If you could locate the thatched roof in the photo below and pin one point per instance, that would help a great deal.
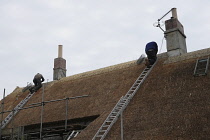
(170, 104)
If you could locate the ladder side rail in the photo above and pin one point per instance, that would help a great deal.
(104, 135)
(73, 134)
(70, 136)
(196, 67)
(26, 100)
(16, 110)
(67, 135)
(113, 121)
(136, 83)
(136, 88)
(107, 119)
(130, 97)
(207, 65)
(145, 72)
(116, 117)
(142, 80)
(77, 132)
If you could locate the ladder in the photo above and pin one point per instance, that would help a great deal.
(73, 134)
(27, 87)
(15, 110)
(201, 67)
(121, 105)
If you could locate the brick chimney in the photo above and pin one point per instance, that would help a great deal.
(175, 37)
(59, 70)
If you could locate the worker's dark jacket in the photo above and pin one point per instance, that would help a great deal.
(38, 78)
(151, 50)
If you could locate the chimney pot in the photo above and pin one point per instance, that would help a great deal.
(60, 51)
(174, 13)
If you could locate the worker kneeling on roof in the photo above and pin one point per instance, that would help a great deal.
(38, 79)
(151, 51)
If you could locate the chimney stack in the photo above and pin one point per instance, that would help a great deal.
(59, 70)
(175, 37)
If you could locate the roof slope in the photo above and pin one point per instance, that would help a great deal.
(171, 103)
(104, 87)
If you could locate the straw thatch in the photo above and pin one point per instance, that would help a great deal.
(171, 103)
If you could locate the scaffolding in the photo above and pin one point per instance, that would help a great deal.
(20, 133)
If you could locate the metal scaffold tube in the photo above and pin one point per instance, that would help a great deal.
(66, 119)
(42, 112)
(2, 110)
(33, 105)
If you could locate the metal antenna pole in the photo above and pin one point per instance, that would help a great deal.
(164, 15)
(174, 15)
(42, 112)
(2, 110)
(66, 120)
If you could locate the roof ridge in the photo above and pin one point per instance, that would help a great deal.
(99, 71)
(190, 55)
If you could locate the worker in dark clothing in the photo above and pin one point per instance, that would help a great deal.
(38, 79)
(151, 50)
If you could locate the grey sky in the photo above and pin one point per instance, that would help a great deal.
(94, 33)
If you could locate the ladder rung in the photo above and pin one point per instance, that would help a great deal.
(118, 108)
(201, 69)
(99, 136)
(202, 60)
(106, 126)
(120, 105)
(114, 112)
(128, 95)
(123, 101)
(112, 117)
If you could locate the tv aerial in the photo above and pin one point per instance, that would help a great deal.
(160, 23)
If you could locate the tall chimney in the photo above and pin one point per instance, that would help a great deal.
(59, 70)
(175, 37)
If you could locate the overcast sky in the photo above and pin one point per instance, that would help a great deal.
(94, 34)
